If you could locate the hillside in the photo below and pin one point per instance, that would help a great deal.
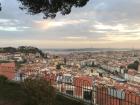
(21, 49)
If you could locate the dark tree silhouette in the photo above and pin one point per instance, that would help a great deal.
(39, 92)
(50, 8)
(0, 7)
(134, 65)
(58, 66)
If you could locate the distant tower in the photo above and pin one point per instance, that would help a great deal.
(65, 61)
(133, 52)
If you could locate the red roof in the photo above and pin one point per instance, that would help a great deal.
(83, 81)
(8, 70)
(7, 64)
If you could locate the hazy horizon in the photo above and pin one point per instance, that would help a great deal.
(59, 48)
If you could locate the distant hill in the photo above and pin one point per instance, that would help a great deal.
(22, 49)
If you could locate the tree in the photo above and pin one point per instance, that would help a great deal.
(133, 65)
(30, 49)
(0, 7)
(92, 64)
(136, 62)
(50, 7)
(22, 49)
(65, 61)
(39, 92)
(8, 50)
(3, 79)
(58, 66)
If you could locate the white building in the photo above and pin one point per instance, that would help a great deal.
(5, 56)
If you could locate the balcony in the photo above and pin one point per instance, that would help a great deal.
(66, 93)
(98, 94)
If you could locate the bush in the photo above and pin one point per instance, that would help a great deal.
(39, 92)
(31, 92)
(134, 65)
(3, 79)
(62, 100)
(11, 93)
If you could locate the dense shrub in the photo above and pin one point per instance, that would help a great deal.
(31, 92)
(3, 79)
(39, 92)
(133, 65)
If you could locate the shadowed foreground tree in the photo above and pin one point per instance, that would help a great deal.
(50, 7)
(39, 92)
(3, 79)
(0, 6)
(35, 91)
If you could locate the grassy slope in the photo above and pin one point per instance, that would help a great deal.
(12, 94)
(60, 100)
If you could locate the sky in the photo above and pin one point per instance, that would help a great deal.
(99, 24)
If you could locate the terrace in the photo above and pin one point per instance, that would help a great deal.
(97, 94)
(80, 91)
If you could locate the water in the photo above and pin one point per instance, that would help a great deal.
(68, 51)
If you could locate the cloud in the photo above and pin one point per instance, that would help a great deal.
(9, 29)
(100, 23)
(47, 24)
(4, 20)
(75, 38)
(121, 38)
(13, 28)
(118, 27)
(11, 25)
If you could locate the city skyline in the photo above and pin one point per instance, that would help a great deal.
(100, 24)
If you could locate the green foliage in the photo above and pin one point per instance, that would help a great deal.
(3, 79)
(58, 66)
(61, 100)
(11, 92)
(8, 50)
(22, 49)
(4, 61)
(93, 64)
(136, 62)
(0, 7)
(65, 61)
(29, 49)
(39, 92)
(32, 92)
(51, 7)
(133, 65)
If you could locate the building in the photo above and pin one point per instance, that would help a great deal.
(83, 87)
(5, 56)
(111, 96)
(18, 57)
(132, 76)
(8, 70)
